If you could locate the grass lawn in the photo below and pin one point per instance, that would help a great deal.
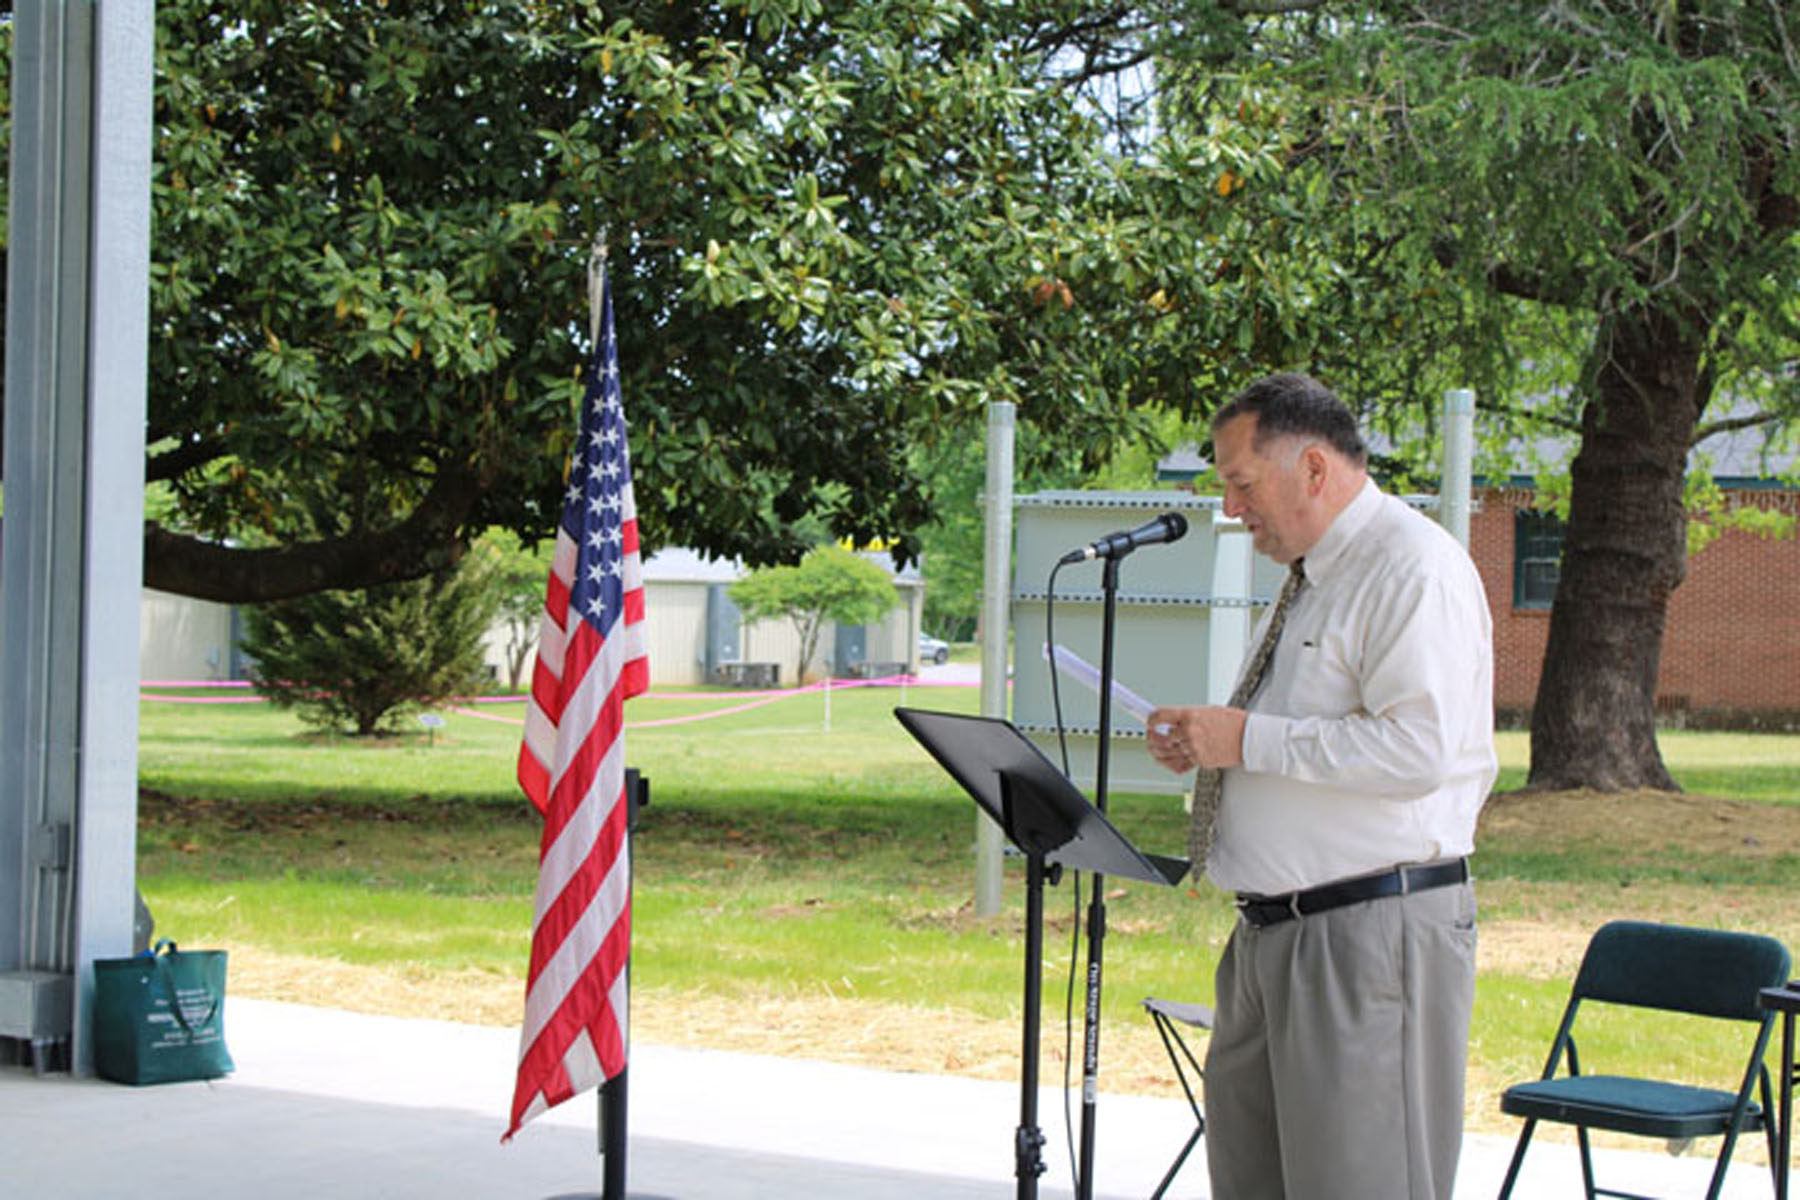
(800, 891)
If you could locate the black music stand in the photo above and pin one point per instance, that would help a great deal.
(1053, 826)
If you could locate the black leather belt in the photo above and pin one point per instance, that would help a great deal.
(1272, 910)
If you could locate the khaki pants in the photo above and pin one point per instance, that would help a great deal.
(1335, 1068)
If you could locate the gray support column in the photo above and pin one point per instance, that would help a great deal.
(1454, 501)
(71, 562)
(1228, 619)
(996, 625)
(40, 561)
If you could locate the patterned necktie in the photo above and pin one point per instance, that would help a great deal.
(1209, 782)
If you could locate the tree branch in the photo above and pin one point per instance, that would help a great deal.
(1732, 424)
(1534, 416)
(180, 460)
(429, 538)
(1503, 278)
(1269, 8)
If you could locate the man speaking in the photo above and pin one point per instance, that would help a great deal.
(1336, 796)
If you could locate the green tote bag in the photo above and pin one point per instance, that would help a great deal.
(159, 1016)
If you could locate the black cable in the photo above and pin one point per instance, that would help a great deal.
(1069, 1034)
(1062, 742)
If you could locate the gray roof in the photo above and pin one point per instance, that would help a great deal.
(677, 564)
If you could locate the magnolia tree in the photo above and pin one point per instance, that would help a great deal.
(836, 228)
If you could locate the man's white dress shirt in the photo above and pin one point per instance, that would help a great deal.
(1371, 741)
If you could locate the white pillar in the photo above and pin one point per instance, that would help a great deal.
(996, 624)
(1459, 455)
(1228, 624)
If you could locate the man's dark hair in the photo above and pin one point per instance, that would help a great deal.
(1291, 404)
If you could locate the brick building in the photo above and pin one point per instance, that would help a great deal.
(1731, 648)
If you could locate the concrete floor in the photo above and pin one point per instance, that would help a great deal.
(339, 1105)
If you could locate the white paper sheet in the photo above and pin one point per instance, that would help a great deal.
(1082, 671)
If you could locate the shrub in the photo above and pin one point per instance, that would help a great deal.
(358, 661)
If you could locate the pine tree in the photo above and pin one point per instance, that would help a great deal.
(357, 661)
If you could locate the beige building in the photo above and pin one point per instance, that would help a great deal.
(695, 633)
(183, 640)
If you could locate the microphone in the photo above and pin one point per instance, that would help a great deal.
(1170, 527)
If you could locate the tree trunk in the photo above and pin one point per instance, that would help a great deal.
(809, 642)
(1624, 553)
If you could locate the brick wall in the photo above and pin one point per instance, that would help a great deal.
(1731, 651)
(1519, 634)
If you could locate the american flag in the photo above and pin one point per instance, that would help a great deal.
(590, 660)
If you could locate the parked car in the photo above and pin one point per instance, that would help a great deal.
(933, 650)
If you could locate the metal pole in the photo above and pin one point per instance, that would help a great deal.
(1228, 618)
(614, 1138)
(995, 626)
(1028, 1140)
(1459, 455)
(1096, 921)
(614, 1094)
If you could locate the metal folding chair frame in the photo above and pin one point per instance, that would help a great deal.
(1167, 1015)
(1602, 980)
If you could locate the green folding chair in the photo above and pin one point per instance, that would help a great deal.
(1705, 972)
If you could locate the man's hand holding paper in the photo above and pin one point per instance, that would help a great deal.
(1182, 737)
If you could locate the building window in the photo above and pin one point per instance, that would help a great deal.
(1537, 557)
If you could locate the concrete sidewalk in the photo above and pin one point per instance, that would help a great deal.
(340, 1105)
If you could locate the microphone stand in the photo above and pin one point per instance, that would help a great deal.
(1096, 922)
